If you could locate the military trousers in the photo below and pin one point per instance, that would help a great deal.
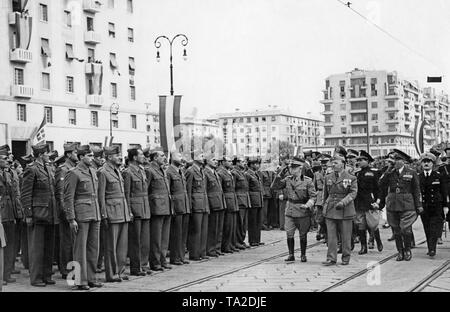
(282, 212)
(178, 237)
(344, 229)
(85, 251)
(265, 212)
(138, 244)
(432, 225)
(66, 243)
(24, 245)
(159, 240)
(255, 221)
(215, 232)
(198, 235)
(101, 253)
(9, 253)
(18, 237)
(41, 242)
(301, 224)
(401, 221)
(116, 247)
(229, 230)
(273, 216)
(1, 268)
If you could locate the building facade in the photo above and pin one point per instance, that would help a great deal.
(437, 116)
(375, 108)
(259, 133)
(70, 61)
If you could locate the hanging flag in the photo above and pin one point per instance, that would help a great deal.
(434, 79)
(169, 121)
(418, 136)
(39, 137)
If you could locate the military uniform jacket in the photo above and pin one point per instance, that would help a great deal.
(60, 175)
(340, 190)
(300, 192)
(2, 234)
(80, 195)
(319, 180)
(434, 193)
(367, 188)
(229, 189)
(401, 191)
(255, 189)
(158, 191)
(177, 183)
(136, 191)
(214, 190)
(196, 189)
(241, 189)
(111, 195)
(38, 194)
(267, 178)
(9, 203)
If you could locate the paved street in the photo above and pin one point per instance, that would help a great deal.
(263, 269)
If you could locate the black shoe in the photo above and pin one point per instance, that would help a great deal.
(176, 262)
(363, 240)
(212, 255)
(408, 255)
(329, 263)
(234, 249)
(261, 244)
(50, 282)
(15, 272)
(95, 285)
(205, 257)
(432, 253)
(125, 278)
(439, 242)
(254, 244)
(82, 287)
(290, 258)
(345, 263)
(41, 284)
(220, 253)
(114, 280)
(303, 258)
(363, 250)
(140, 273)
(371, 244)
(227, 251)
(157, 268)
(167, 266)
(400, 257)
(196, 259)
(186, 262)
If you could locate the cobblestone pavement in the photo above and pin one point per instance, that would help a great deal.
(264, 269)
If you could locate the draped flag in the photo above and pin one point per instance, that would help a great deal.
(39, 136)
(169, 121)
(418, 136)
(24, 24)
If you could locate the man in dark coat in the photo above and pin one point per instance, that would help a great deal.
(267, 178)
(434, 200)
(241, 190)
(39, 204)
(97, 163)
(256, 193)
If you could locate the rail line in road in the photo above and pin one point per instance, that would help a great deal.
(431, 277)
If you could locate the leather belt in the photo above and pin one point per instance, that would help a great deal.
(297, 201)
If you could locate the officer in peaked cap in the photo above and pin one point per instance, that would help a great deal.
(316, 155)
(444, 170)
(256, 192)
(340, 150)
(243, 200)
(400, 192)
(99, 157)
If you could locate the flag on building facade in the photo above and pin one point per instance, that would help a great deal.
(39, 137)
(169, 122)
(418, 136)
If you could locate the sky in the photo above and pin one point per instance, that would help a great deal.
(250, 54)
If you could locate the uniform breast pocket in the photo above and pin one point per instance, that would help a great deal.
(84, 184)
(228, 184)
(137, 184)
(42, 183)
(198, 182)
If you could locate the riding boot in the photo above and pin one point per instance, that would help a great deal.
(407, 246)
(363, 240)
(412, 240)
(303, 244)
(399, 245)
(290, 243)
(377, 237)
(371, 244)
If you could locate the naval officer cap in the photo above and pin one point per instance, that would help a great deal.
(427, 156)
(40, 148)
(84, 150)
(351, 153)
(400, 155)
(340, 150)
(111, 150)
(364, 155)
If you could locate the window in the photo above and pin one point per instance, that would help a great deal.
(18, 76)
(48, 112)
(115, 124)
(133, 122)
(375, 129)
(374, 116)
(91, 55)
(94, 119)
(327, 119)
(391, 103)
(43, 10)
(111, 4)
(343, 130)
(72, 117)
(249, 120)
(69, 52)
(343, 118)
(90, 23)
(264, 119)
(130, 6)
(132, 66)
(45, 48)
(113, 61)
(374, 104)
(70, 88)
(114, 90)
(21, 112)
(242, 140)
(45, 81)
(112, 30)
(274, 118)
(327, 130)
(133, 93)
(68, 18)
(130, 34)
(343, 107)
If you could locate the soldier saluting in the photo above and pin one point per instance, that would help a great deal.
(400, 189)
(301, 197)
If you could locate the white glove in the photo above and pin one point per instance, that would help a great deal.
(445, 210)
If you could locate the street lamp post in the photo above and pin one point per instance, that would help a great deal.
(113, 110)
(158, 45)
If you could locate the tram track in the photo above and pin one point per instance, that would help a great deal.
(424, 283)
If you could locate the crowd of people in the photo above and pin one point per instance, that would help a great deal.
(89, 211)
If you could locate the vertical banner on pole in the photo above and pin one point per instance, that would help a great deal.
(169, 121)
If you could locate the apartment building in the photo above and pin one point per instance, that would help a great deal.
(259, 133)
(70, 61)
(437, 116)
(378, 108)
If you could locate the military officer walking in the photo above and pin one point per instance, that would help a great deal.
(301, 197)
(82, 211)
(339, 192)
(400, 189)
(243, 199)
(434, 200)
(39, 204)
(115, 216)
(136, 193)
(161, 210)
(256, 191)
(181, 206)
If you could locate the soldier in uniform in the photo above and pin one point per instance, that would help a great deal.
(318, 184)
(255, 191)
(39, 204)
(229, 242)
(282, 195)
(82, 211)
(367, 199)
(182, 210)
(198, 224)
(339, 192)
(243, 199)
(434, 200)
(444, 170)
(267, 178)
(115, 215)
(400, 189)
(217, 208)
(66, 237)
(136, 193)
(161, 210)
(2, 247)
(301, 196)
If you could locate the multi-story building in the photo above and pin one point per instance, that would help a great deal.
(259, 133)
(70, 61)
(376, 108)
(437, 116)
(192, 127)
(153, 132)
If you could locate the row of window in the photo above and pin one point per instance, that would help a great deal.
(264, 119)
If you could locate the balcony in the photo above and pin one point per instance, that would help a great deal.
(407, 100)
(92, 37)
(408, 121)
(392, 109)
(392, 96)
(327, 113)
(94, 100)
(431, 109)
(358, 123)
(362, 97)
(92, 68)
(91, 6)
(21, 91)
(328, 124)
(20, 56)
(392, 121)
